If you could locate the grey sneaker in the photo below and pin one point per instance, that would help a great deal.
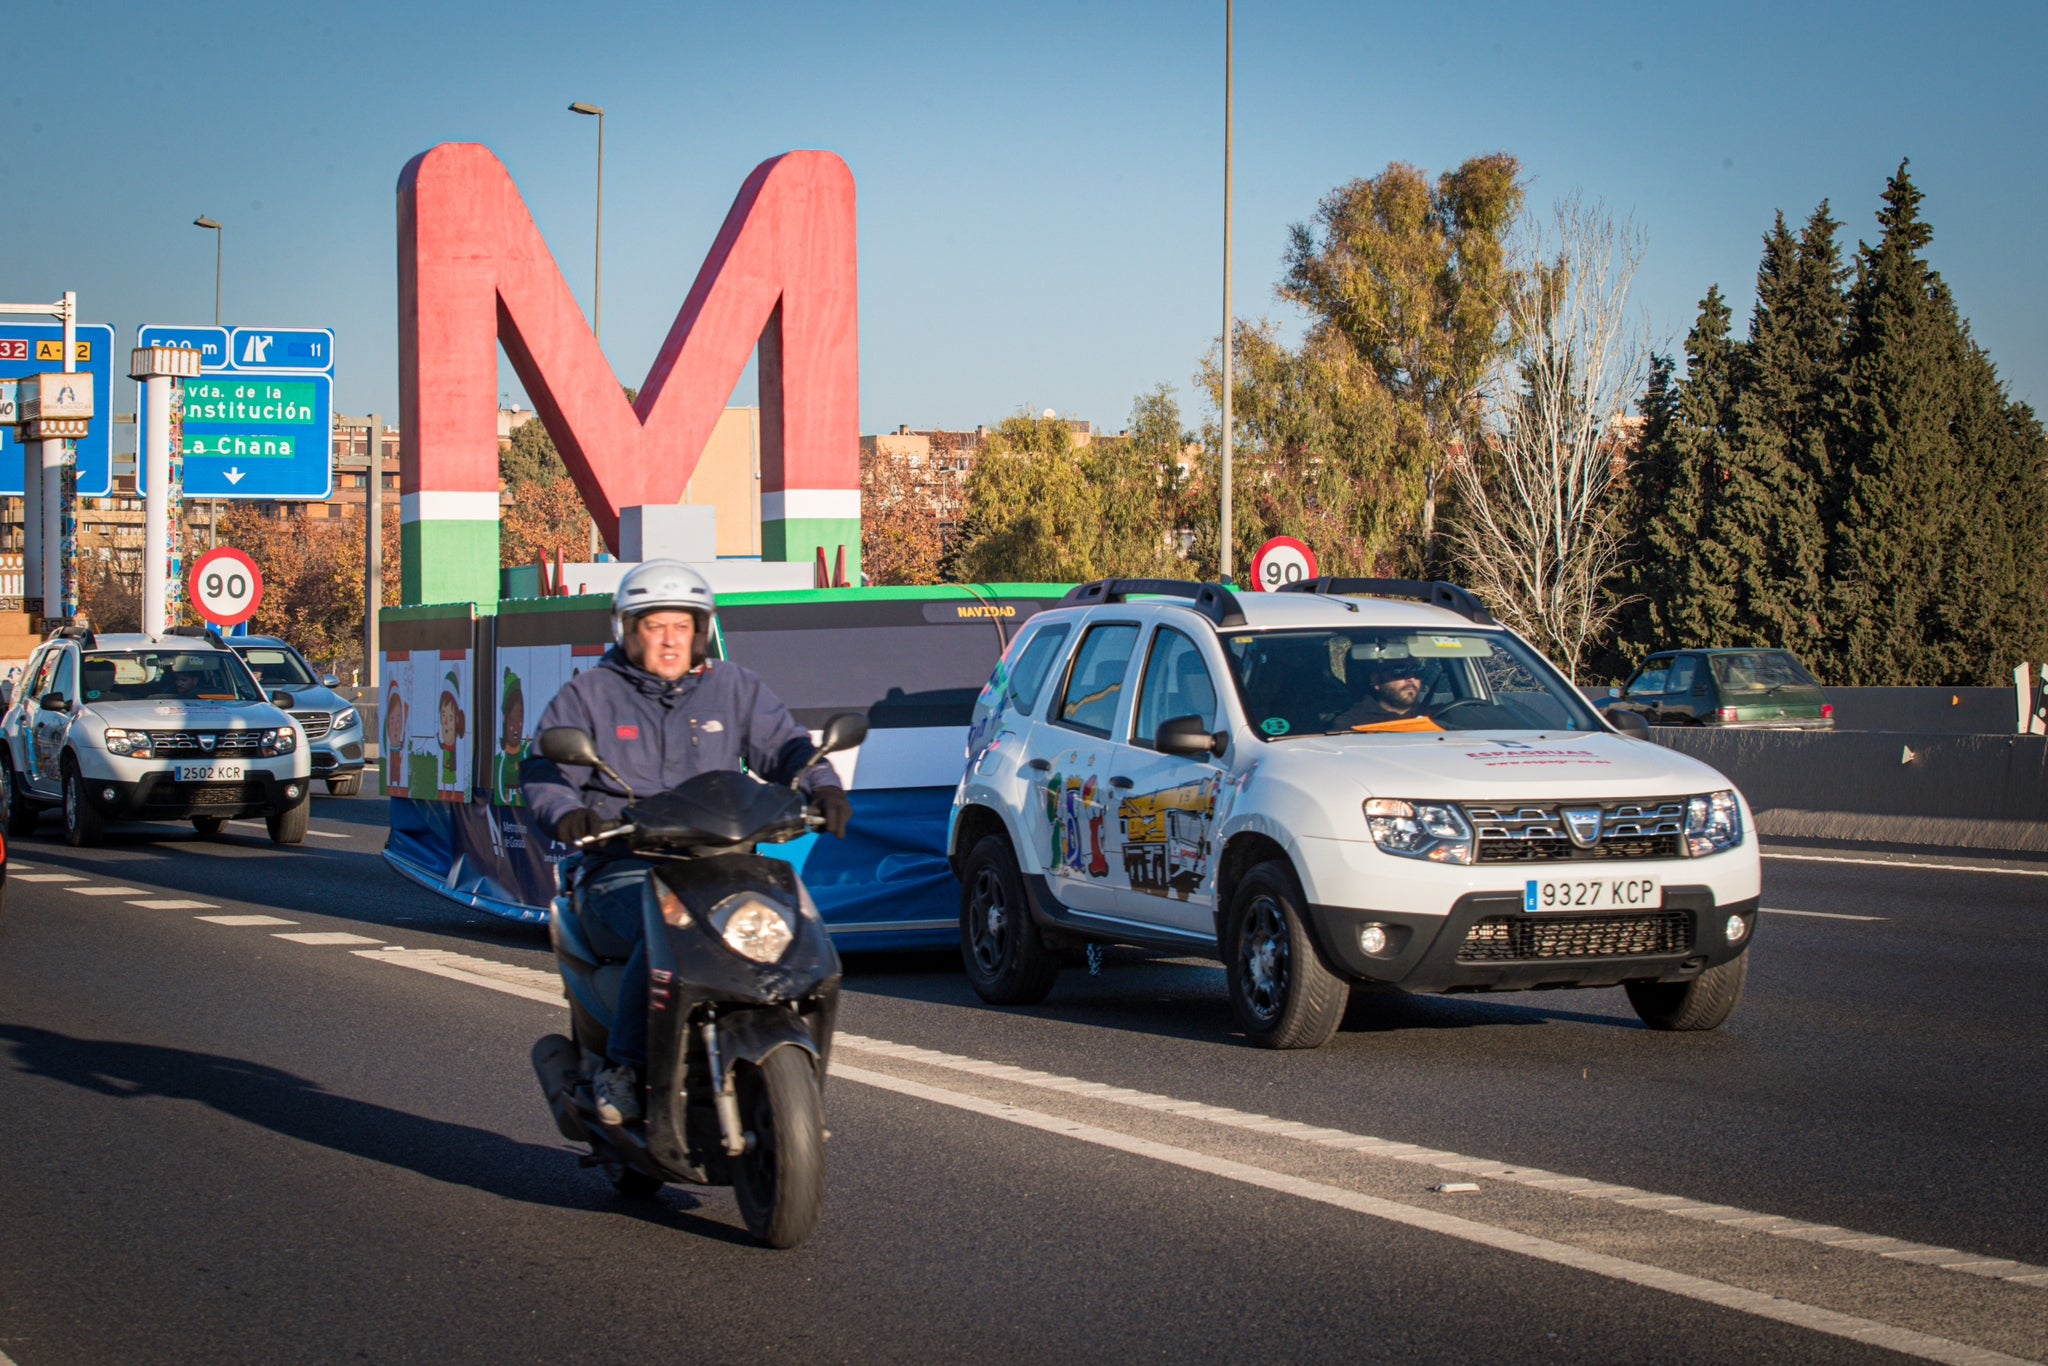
(617, 1091)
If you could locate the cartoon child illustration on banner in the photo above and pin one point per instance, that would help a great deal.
(454, 725)
(394, 727)
(511, 743)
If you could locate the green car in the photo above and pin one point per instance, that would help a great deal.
(1752, 688)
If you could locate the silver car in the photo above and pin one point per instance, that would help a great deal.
(333, 726)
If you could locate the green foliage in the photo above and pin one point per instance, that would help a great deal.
(531, 458)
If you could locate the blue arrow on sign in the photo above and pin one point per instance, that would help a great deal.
(282, 348)
(254, 435)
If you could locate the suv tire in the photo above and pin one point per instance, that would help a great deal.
(289, 827)
(1007, 960)
(345, 787)
(21, 814)
(1280, 991)
(83, 826)
(1703, 1003)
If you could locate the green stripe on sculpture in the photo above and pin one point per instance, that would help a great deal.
(800, 539)
(449, 561)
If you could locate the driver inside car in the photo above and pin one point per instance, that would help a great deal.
(1391, 699)
(660, 710)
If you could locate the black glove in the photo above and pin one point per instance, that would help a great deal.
(579, 823)
(831, 803)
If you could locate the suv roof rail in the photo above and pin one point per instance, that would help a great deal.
(1436, 593)
(82, 634)
(207, 633)
(1212, 600)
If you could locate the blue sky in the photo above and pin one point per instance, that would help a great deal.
(1040, 185)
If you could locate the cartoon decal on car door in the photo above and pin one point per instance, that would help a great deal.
(1166, 837)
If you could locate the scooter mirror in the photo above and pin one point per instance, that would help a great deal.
(844, 731)
(568, 745)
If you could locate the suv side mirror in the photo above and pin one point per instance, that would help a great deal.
(329, 681)
(1628, 722)
(54, 701)
(283, 699)
(1188, 737)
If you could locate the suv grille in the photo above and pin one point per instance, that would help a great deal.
(178, 743)
(317, 723)
(1507, 939)
(1536, 832)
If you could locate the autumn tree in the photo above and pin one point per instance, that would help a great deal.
(905, 507)
(312, 579)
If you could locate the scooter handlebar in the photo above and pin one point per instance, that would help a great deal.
(601, 836)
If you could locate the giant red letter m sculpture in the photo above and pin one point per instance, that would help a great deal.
(473, 272)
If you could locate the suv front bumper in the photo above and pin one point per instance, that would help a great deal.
(160, 797)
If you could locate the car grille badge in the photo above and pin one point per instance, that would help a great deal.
(1583, 823)
(206, 743)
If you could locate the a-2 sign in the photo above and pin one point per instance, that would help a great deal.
(1281, 561)
(225, 586)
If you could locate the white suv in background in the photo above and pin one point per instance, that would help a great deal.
(136, 727)
(1355, 783)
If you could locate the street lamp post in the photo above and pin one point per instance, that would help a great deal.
(597, 283)
(1224, 565)
(219, 235)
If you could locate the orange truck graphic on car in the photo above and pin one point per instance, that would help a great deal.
(1166, 837)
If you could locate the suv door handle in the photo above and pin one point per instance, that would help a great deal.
(1119, 781)
(1038, 766)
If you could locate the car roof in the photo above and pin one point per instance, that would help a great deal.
(1281, 611)
(237, 642)
(136, 640)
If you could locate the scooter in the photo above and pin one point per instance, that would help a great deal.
(743, 985)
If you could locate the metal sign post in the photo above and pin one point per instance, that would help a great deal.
(160, 368)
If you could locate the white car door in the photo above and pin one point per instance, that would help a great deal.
(45, 729)
(1166, 804)
(1072, 805)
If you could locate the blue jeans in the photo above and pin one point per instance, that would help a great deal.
(612, 898)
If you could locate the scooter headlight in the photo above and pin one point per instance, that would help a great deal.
(753, 926)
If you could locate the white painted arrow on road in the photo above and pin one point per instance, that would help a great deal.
(234, 475)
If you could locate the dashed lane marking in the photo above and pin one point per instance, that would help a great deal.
(244, 920)
(1908, 863)
(1583, 1188)
(104, 891)
(530, 983)
(1819, 915)
(47, 877)
(316, 834)
(1792, 1312)
(322, 937)
(176, 904)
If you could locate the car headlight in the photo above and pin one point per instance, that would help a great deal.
(283, 740)
(1712, 823)
(133, 743)
(1436, 831)
(753, 926)
(346, 718)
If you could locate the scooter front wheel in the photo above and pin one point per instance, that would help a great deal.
(780, 1180)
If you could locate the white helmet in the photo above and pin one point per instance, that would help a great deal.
(658, 586)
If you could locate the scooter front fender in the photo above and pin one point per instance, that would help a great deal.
(749, 1036)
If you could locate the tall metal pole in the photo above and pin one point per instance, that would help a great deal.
(597, 283)
(52, 460)
(156, 504)
(219, 237)
(1229, 6)
(373, 558)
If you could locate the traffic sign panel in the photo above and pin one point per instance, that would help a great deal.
(211, 342)
(255, 435)
(282, 348)
(1280, 561)
(225, 586)
(36, 348)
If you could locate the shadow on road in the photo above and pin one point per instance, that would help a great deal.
(290, 1105)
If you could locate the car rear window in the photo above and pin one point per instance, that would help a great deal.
(1760, 671)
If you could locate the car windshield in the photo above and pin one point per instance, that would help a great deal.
(1380, 681)
(276, 666)
(166, 676)
(1760, 671)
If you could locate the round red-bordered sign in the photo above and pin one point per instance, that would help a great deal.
(225, 586)
(1281, 561)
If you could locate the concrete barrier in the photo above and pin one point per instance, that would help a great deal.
(1896, 787)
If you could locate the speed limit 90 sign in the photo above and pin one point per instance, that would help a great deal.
(225, 586)
(1281, 561)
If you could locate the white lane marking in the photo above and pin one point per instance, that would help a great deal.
(1819, 915)
(529, 983)
(1579, 1187)
(244, 920)
(104, 891)
(1904, 863)
(1793, 1312)
(316, 834)
(325, 937)
(175, 904)
(48, 877)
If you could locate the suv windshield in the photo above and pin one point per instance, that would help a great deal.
(276, 667)
(1760, 671)
(1381, 680)
(166, 676)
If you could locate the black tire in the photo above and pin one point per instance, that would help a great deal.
(83, 826)
(209, 827)
(1705, 1002)
(1280, 991)
(345, 787)
(1006, 958)
(634, 1185)
(21, 814)
(779, 1180)
(289, 827)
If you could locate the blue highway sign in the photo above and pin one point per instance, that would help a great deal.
(37, 348)
(283, 348)
(209, 341)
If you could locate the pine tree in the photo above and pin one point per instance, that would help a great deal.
(1646, 489)
(1698, 605)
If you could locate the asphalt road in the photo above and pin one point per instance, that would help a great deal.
(219, 1143)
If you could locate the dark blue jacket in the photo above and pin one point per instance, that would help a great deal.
(657, 733)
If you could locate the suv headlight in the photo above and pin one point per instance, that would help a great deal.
(133, 743)
(272, 743)
(346, 718)
(753, 926)
(1436, 831)
(1712, 823)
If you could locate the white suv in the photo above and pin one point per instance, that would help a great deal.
(139, 727)
(1356, 782)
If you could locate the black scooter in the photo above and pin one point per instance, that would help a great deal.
(743, 984)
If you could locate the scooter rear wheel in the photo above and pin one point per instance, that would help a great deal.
(780, 1180)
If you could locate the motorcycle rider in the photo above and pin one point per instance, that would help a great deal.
(660, 710)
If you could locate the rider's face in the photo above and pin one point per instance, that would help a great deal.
(1397, 692)
(660, 642)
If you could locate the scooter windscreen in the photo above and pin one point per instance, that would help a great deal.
(718, 808)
